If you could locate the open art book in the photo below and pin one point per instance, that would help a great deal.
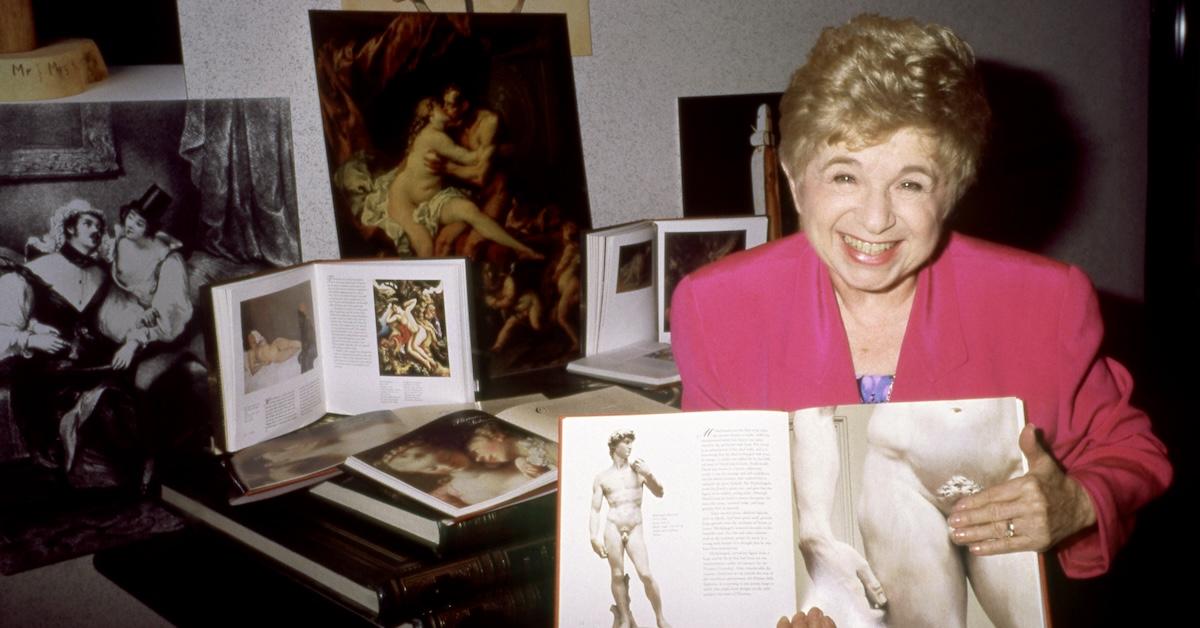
(316, 452)
(469, 462)
(631, 271)
(739, 518)
(462, 464)
(338, 337)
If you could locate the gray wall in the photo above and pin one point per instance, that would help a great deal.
(1087, 59)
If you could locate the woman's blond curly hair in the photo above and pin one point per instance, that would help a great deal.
(873, 76)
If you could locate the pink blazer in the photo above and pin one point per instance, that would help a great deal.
(762, 330)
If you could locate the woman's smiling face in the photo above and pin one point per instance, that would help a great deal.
(135, 226)
(874, 215)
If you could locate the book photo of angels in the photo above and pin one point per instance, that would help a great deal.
(411, 323)
(279, 337)
(115, 216)
(458, 135)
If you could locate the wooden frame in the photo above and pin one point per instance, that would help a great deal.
(89, 152)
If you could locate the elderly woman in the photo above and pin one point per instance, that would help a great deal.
(882, 130)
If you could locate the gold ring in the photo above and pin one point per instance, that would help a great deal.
(1009, 530)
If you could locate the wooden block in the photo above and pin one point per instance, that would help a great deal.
(61, 69)
(16, 26)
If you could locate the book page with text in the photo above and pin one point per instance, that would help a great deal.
(717, 543)
(397, 333)
(270, 364)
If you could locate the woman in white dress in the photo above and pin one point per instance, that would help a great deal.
(148, 268)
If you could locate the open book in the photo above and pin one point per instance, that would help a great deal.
(717, 503)
(462, 464)
(338, 337)
(631, 271)
(472, 461)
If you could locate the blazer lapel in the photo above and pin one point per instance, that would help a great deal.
(817, 354)
(934, 345)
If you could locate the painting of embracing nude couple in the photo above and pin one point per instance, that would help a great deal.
(458, 135)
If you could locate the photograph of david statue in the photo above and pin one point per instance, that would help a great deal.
(621, 532)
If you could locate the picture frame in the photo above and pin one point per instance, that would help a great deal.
(684, 245)
(722, 156)
(80, 142)
(75, 446)
(489, 102)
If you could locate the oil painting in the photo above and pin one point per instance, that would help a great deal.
(458, 135)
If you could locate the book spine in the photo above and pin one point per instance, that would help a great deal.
(527, 604)
(216, 398)
(456, 580)
(506, 525)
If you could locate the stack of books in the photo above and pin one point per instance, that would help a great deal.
(450, 520)
(379, 574)
(630, 272)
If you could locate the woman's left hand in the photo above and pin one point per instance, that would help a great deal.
(1032, 512)
(124, 356)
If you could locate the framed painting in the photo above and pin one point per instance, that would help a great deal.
(458, 135)
(103, 371)
(57, 142)
(578, 18)
(727, 157)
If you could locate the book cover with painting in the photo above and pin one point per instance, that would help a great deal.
(463, 463)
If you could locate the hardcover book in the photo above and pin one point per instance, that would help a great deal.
(366, 566)
(338, 337)
(517, 521)
(631, 271)
(462, 464)
(315, 452)
(708, 508)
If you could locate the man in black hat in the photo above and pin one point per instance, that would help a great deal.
(57, 359)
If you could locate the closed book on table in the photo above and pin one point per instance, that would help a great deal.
(527, 604)
(366, 566)
(445, 535)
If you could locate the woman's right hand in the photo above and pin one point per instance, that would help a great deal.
(814, 618)
(46, 343)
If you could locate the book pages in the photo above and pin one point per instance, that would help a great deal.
(728, 526)
(712, 542)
